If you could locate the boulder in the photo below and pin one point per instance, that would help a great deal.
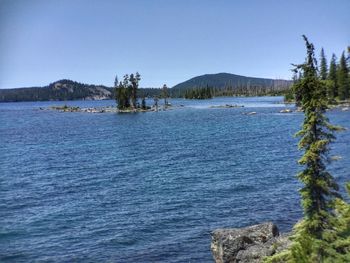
(251, 113)
(248, 244)
(286, 111)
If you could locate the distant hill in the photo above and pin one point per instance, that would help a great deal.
(60, 90)
(66, 89)
(232, 83)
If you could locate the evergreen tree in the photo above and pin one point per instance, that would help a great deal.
(121, 96)
(143, 103)
(323, 66)
(123, 93)
(332, 76)
(127, 91)
(165, 94)
(156, 102)
(343, 78)
(342, 241)
(320, 188)
(314, 237)
(132, 89)
(315, 136)
(116, 81)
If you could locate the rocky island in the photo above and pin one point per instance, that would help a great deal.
(107, 109)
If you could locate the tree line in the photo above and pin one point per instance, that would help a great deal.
(199, 93)
(230, 90)
(335, 76)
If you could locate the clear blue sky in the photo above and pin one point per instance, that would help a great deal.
(167, 41)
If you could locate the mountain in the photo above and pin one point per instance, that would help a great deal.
(221, 80)
(60, 90)
(242, 85)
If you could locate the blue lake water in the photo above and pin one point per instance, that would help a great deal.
(147, 187)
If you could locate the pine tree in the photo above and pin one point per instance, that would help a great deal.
(314, 236)
(116, 81)
(343, 78)
(319, 186)
(165, 95)
(323, 66)
(121, 96)
(143, 103)
(342, 242)
(133, 90)
(332, 76)
(122, 93)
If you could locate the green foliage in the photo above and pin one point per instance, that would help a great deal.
(316, 134)
(332, 77)
(323, 66)
(126, 91)
(143, 103)
(333, 246)
(165, 94)
(343, 79)
(342, 241)
(289, 95)
(199, 93)
(133, 87)
(116, 82)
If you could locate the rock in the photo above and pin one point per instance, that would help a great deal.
(249, 244)
(345, 109)
(336, 157)
(227, 106)
(286, 111)
(251, 113)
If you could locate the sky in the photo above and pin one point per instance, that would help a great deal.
(167, 41)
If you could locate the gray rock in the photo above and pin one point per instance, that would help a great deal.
(286, 111)
(249, 244)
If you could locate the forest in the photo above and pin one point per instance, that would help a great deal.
(333, 75)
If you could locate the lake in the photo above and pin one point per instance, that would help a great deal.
(147, 187)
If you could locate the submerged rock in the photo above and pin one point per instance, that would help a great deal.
(286, 111)
(336, 157)
(248, 244)
(227, 106)
(251, 113)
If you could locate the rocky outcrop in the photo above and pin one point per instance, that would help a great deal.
(249, 244)
(108, 109)
(286, 111)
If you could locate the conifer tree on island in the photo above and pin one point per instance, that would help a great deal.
(165, 95)
(317, 237)
(126, 91)
(134, 80)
